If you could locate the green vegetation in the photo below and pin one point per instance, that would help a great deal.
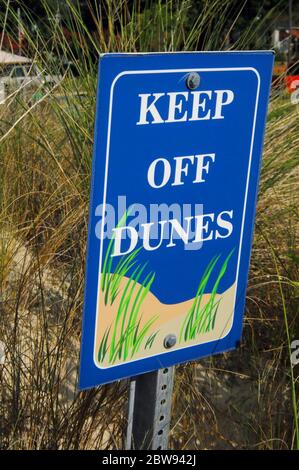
(131, 336)
(201, 319)
(127, 332)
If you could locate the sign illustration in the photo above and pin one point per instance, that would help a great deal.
(177, 153)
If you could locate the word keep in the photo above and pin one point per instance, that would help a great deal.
(160, 108)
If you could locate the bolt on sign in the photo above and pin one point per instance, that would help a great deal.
(177, 154)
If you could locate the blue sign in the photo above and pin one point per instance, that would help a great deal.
(177, 154)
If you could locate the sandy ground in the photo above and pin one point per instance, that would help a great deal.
(169, 321)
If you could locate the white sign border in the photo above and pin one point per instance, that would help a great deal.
(138, 72)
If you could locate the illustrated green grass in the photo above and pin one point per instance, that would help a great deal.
(123, 339)
(201, 319)
(150, 340)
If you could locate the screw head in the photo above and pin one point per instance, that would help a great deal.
(193, 80)
(169, 341)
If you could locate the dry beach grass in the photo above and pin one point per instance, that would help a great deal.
(243, 399)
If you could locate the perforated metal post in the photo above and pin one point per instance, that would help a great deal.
(149, 410)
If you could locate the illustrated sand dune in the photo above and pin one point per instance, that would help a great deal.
(170, 318)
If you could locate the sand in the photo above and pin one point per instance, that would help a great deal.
(169, 321)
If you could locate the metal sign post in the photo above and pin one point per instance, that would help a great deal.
(149, 410)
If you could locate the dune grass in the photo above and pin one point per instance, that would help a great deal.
(127, 333)
(126, 284)
(201, 319)
(45, 151)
